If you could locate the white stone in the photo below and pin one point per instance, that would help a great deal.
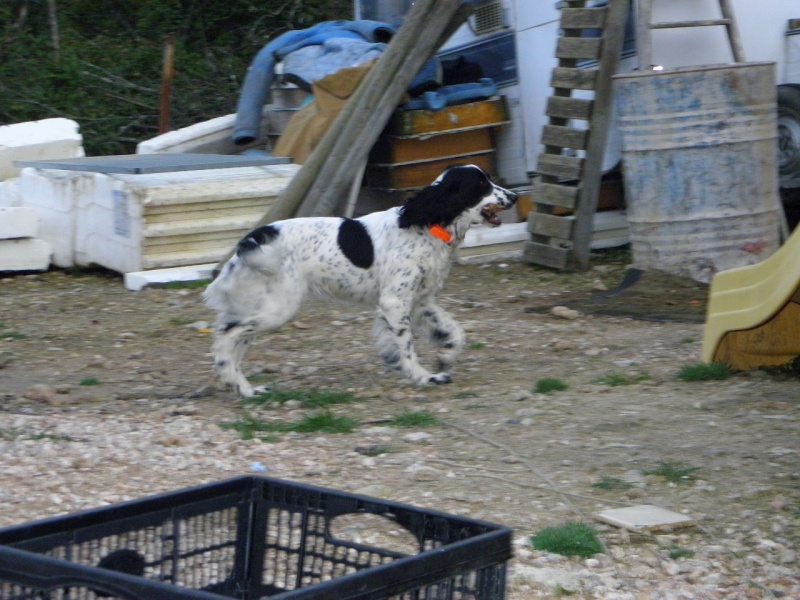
(417, 437)
(644, 517)
(562, 312)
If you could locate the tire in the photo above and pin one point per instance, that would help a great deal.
(788, 132)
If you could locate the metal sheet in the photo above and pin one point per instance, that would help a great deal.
(137, 164)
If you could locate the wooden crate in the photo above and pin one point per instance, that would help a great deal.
(486, 113)
(399, 150)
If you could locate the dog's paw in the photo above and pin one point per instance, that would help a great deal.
(441, 378)
(261, 389)
(245, 391)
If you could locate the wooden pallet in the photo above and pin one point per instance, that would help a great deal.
(570, 167)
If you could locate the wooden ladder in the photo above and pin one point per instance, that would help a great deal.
(645, 26)
(569, 183)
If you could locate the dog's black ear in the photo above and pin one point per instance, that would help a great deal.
(442, 202)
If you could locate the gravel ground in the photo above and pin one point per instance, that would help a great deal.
(106, 395)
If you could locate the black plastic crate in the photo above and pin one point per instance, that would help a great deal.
(255, 537)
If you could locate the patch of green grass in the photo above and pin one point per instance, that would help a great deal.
(13, 434)
(549, 384)
(90, 381)
(687, 340)
(676, 552)
(414, 419)
(570, 539)
(308, 398)
(10, 335)
(477, 346)
(182, 321)
(618, 379)
(184, 285)
(674, 472)
(705, 372)
(612, 484)
(324, 422)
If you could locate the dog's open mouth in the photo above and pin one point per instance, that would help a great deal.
(490, 214)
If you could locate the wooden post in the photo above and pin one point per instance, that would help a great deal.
(167, 74)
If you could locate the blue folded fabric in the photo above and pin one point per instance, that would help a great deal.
(453, 94)
(258, 79)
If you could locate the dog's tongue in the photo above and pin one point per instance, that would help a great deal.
(491, 215)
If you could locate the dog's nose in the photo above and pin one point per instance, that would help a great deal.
(512, 197)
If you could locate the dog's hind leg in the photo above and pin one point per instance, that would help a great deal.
(232, 338)
(395, 341)
(230, 344)
(442, 330)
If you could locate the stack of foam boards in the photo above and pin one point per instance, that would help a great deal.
(20, 249)
(132, 223)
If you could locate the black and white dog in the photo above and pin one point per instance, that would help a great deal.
(396, 260)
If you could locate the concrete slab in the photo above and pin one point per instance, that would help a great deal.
(644, 517)
(141, 279)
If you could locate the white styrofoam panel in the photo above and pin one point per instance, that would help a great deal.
(108, 232)
(38, 140)
(18, 222)
(30, 254)
(52, 194)
(207, 137)
(141, 279)
(9, 192)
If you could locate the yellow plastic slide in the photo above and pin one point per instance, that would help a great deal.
(753, 317)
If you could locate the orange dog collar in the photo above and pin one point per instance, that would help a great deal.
(440, 232)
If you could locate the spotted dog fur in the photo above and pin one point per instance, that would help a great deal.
(387, 259)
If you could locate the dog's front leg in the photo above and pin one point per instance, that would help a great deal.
(442, 330)
(395, 341)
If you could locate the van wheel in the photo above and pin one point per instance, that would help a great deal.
(789, 132)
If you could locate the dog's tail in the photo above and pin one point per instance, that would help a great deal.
(256, 250)
(254, 253)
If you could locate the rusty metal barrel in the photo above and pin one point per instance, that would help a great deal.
(699, 158)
